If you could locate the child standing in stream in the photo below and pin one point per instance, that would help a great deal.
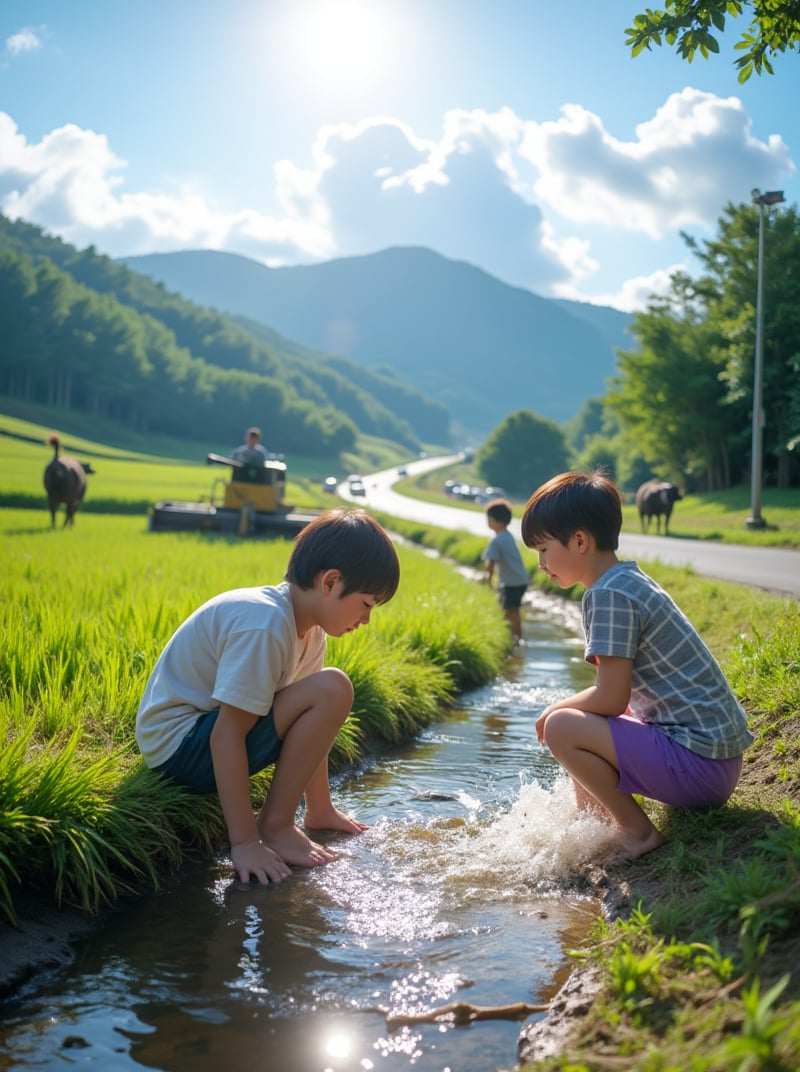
(503, 554)
(660, 719)
(241, 685)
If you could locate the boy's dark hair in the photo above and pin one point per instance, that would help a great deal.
(353, 543)
(499, 510)
(573, 501)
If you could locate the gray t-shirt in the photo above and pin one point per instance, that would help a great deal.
(504, 552)
(677, 683)
(239, 648)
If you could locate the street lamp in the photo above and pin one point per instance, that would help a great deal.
(756, 521)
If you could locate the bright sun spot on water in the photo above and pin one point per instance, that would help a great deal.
(343, 42)
(338, 1045)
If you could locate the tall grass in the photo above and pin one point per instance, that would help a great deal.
(84, 614)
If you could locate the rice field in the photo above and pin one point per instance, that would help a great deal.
(84, 614)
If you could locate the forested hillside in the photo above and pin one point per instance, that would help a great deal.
(83, 332)
(475, 344)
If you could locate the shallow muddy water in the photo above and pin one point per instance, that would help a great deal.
(465, 888)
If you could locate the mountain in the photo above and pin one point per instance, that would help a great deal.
(87, 333)
(477, 345)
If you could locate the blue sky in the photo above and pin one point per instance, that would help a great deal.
(518, 136)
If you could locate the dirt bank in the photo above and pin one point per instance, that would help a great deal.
(43, 941)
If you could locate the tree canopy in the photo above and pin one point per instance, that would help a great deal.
(691, 27)
(522, 452)
(83, 332)
(684, 397)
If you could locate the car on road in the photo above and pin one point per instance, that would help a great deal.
(357, 487)
(490, 493)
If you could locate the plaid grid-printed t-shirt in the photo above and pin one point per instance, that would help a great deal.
(677, 683)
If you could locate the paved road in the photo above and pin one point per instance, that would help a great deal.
(772, 569)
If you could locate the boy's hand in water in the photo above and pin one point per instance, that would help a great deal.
(254, 858)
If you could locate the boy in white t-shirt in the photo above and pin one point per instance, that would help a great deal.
(241, 685)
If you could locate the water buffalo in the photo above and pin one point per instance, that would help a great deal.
(64, 482)
(655, 498)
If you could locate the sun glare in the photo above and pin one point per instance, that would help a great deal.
(341, 42)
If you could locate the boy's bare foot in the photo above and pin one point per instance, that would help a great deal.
(295, 848)
(333, 819)
(627, 846)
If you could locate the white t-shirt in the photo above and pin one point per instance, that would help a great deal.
(239, 648)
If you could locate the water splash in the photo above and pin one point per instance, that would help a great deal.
(541, 840)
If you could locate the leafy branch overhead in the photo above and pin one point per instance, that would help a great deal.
(691, 26)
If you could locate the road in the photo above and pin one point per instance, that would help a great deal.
(771, 569)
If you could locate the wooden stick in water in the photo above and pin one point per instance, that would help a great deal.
(462, 1013)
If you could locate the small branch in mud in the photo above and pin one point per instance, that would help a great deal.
(462, 1013)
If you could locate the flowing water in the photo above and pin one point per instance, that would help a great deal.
(465, 888)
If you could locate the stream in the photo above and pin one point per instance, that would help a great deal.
(466, 887)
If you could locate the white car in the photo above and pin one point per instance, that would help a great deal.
(357, 487)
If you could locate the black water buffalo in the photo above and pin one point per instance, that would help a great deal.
(655, 498)
(64, 482)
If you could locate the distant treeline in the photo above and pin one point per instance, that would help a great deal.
(82, 332)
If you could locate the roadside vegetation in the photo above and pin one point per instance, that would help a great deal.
(718, 515)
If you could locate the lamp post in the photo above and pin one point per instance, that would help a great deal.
(755, 520)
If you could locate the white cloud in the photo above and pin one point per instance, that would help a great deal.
(696, 153)
(633, 294)
(28, 39)
(493, 189)
(70, 183)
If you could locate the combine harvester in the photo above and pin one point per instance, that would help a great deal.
(251, 504)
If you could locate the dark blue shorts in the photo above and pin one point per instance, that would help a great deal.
(191, 765)
(511, 595)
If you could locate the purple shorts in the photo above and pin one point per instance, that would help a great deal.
(654, 766)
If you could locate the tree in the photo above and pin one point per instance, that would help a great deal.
(688, 24)
(730, 261)
(522, 452)
(684, 398)
(668, 394)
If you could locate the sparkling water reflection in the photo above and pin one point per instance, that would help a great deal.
(464, 888)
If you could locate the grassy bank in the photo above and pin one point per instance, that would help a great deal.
(84, 614)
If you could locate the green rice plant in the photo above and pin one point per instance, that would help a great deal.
(397, 692)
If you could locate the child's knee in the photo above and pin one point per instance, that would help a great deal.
(337, 689)
(559, 729)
